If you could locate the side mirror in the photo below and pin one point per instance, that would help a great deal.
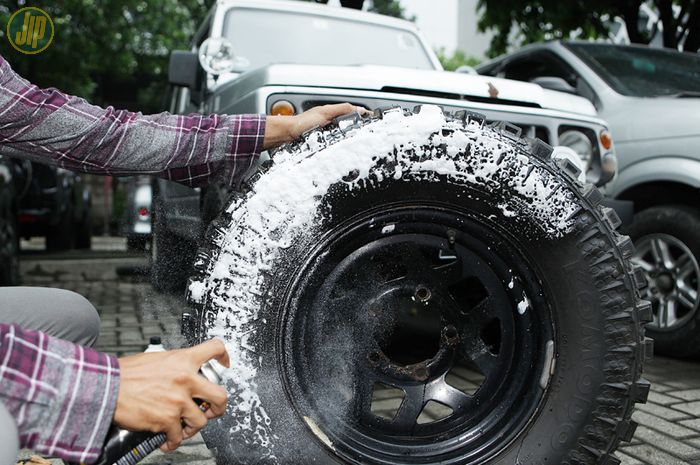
(183, 70)
(554, 83)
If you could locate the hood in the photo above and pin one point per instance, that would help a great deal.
(442, 84)
(635, 118)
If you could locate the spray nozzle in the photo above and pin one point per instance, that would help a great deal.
(213, 371)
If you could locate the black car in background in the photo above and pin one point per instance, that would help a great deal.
(56, 205)
(9, 238)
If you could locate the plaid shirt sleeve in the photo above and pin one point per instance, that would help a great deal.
(61, 395)
(48, 126)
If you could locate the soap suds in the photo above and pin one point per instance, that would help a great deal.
(284, 204)
(524, 304)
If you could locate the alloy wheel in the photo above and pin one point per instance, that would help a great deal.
(672, 273)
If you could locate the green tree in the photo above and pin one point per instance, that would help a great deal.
(535, 20)
(390, 8)
(457, 59)
(108, 51)
(383, 7)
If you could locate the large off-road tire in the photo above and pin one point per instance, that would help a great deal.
(668, 249)
(415, 288)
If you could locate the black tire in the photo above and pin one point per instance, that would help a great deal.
(62, 236)
(676, 227)
(9, 253)
(83, 231)
(171, 256)
(300, 297)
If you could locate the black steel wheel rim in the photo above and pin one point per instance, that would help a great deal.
(433, 304)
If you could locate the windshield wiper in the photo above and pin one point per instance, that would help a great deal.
(683, 94)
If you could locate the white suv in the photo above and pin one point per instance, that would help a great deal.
(651, 98)
(340, 55)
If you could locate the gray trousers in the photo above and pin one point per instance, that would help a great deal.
(57, 312)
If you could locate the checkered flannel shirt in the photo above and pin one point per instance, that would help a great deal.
(61, 395)
(48, 126)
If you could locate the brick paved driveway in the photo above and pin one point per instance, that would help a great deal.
(131, 312)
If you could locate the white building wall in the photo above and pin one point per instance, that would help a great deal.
(472, 42)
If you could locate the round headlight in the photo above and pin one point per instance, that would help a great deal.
(579, 143)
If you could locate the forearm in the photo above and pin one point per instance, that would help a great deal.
(48, 126)
(278, 130)
(61, 395)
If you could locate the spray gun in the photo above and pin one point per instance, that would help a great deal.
(124, 447)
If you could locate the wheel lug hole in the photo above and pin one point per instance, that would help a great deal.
(451, 332)
(421, 374)
(423, 294)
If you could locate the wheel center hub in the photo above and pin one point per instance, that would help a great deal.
(665, 283)
(412, 336)
(410, 332)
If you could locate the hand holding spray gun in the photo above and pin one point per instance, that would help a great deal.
(168, 396)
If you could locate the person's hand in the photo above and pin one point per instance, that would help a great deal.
(282, 129)
(156, 391)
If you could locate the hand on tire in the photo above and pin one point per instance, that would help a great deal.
(282, 129)
(157, 389)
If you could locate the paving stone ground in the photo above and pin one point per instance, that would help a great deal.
(131, 312)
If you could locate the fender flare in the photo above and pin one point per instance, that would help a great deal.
(676, 169)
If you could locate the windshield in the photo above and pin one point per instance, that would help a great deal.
(263, 37)
(643, 72)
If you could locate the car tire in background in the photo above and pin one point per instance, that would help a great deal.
(423, 289)
(83, 230)
(171, 255)
(9, 253)
(62, 236)
(667, 239)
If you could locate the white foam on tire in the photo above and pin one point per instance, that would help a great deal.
(284, 204)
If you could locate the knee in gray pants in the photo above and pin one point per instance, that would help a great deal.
(60, 313)
(9, 439)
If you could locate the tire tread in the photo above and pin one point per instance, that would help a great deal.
(607, 253)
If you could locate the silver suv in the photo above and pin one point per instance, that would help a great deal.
(277, 56)
(650, 97)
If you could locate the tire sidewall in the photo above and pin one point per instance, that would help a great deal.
(580, 342)
(597, 335)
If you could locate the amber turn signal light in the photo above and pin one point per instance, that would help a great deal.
(606, 140)
(283, 108)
